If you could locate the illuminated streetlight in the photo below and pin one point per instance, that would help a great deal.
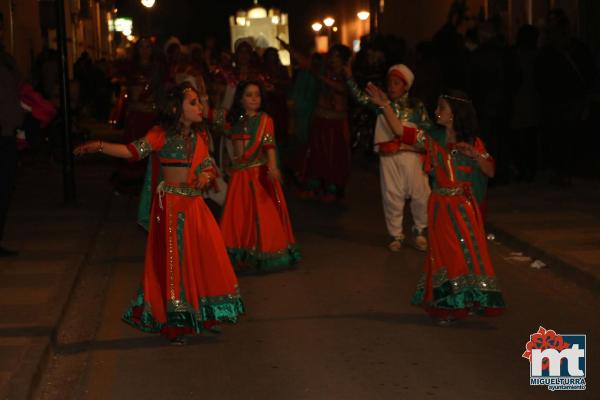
(124, 25)
(148, 3)
(329, 22)
(363, 15)
(317, 26)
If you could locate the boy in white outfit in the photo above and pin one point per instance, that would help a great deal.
(401, 167)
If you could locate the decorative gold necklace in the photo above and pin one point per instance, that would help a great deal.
(188, 142)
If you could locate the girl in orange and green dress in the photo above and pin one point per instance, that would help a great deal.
(188, 284)
(458, 278)
(255, 224)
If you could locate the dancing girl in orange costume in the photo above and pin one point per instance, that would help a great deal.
(255, 224)
(188, 283)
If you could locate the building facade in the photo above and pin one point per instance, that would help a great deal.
(416, 21)
(22, 32)
(31, 24)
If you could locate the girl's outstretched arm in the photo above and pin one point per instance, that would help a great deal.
(100, 146)
(380, 99)
(408, 133)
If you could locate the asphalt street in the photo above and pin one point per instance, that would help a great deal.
(339, 327)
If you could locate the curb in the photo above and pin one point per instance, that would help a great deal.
(22, 382)
(557, 265)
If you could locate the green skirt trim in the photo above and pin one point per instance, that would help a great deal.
(181, 314)
(318, 184)
(444, 297)
(249, 260)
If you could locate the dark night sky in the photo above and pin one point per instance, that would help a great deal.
(192, 20)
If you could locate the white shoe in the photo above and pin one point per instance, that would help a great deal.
(396, 245)
(421, 243)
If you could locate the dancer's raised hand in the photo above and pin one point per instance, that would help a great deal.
(376, 95)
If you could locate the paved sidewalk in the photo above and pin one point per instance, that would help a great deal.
(560, 226)
(53, 241)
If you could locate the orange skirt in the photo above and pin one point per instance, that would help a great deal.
(188, 283)
(256, 226)
(459, 277)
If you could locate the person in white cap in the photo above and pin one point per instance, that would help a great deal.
(401, 168)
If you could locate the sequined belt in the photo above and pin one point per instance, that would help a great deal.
(449, 191)
(164, 187)
(237, 166)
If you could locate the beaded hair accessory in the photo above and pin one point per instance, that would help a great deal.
(173, 94)
(462, 100)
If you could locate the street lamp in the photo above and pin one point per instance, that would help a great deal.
(148, 4)
(363, 15)
(317, 26)
(328, 21)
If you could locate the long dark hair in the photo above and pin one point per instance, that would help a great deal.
(464, 120)
(237, 111)
(171, 109)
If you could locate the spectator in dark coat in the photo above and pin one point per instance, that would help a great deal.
(565, 72)
(11, 117)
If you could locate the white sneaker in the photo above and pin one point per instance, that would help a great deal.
(421, 243)
(396, 245)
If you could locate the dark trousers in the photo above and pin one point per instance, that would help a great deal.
(8, 169)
